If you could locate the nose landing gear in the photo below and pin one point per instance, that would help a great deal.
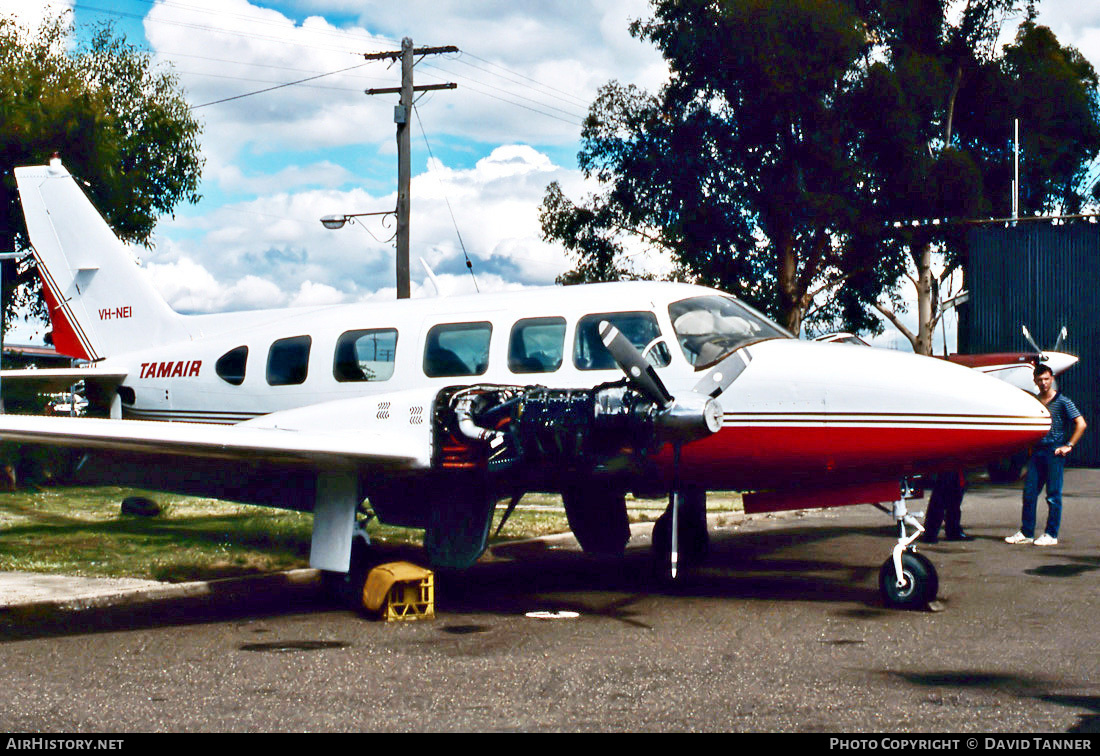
(907, 580)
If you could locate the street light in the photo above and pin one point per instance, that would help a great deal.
(333, 222)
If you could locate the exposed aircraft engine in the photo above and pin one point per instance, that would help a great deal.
(611, 427)
(498, 427)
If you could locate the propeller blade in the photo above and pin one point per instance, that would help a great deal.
(1061, 337)
(1027, 335)
(724, 373)
(638, 371)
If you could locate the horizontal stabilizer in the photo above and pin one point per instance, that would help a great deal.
(55, 379)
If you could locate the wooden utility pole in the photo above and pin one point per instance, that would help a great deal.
(402, 116)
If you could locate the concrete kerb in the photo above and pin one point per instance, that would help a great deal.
(34, 596)
(75, 595)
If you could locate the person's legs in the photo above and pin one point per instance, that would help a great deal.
(1055, 474)
(1033, 483)
(952, 520)
(933, 518)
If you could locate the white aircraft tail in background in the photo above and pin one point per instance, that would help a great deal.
(101, 303)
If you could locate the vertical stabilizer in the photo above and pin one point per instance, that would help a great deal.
(101, 303)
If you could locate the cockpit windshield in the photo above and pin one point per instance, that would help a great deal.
(710, 327)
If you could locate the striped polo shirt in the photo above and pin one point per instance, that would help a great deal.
(1062, 414)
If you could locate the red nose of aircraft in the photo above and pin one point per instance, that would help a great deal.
(807, 410)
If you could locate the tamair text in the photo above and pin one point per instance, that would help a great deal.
(180, 369)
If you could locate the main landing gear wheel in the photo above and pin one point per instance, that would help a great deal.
(346, 588)
(920, 583)
(597, 517)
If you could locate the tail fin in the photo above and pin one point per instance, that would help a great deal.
(100, 301)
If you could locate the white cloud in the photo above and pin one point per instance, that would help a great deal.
(31, 13)
(527, 71)
(310, 294)
(278, 238)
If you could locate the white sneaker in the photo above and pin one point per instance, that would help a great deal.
(1046, 540)
(1018, 537)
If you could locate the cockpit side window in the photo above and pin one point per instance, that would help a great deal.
(454, 349)
(640, 328)
(536, 345)
(288, 361)
(230, 366)
(365, 355)
(712, 326)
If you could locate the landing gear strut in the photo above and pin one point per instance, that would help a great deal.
(907, 580)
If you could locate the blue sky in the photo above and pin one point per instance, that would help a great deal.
(277, 161)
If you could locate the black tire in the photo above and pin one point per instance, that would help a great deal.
(346, 588)
(597, 517)
(921, 582)
(140, 506)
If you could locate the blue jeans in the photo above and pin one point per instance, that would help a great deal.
(1043, 469)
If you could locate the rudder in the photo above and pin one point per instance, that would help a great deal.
(100, 302)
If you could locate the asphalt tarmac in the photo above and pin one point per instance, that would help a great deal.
(782, 631)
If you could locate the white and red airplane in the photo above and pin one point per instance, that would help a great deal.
(433, 410)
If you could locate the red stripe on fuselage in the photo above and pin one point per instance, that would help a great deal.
(748, 457)
(994, 358)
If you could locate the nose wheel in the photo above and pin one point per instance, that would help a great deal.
(917, 585)
(907, 580)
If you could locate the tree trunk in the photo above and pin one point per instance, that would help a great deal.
(792, 307)
(926, 300)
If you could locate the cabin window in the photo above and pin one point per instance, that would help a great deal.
(640, 328)
(230, 366)
(536, 345)
(457, 349)
(365, 355)
(713, 326)
(288, 361)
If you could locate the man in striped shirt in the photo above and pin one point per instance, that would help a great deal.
(1047, 462)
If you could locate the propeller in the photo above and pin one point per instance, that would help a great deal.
(724, 373)
(680, 419)
(638, 371)
(1042, 357)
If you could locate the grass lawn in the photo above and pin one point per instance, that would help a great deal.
(77, 530)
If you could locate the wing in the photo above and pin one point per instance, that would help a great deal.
(335, 435)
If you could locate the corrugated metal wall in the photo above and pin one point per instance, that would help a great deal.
(1043, 276)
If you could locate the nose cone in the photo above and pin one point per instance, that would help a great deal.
(1059, 362)
(851, 410)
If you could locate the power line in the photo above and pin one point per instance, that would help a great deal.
(345, 38)
(513, 94)
(277, 86)
(566, 95)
